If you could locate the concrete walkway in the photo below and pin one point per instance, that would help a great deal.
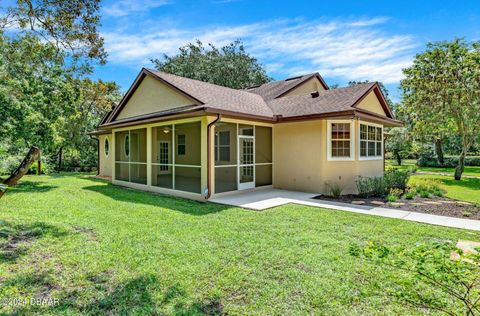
(267, 198)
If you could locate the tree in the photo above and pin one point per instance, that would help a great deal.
(69, 25)
(434, 275)
(44, 101)
(228, 66)
(398, 143)
(442, 90)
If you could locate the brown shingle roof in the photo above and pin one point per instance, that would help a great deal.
(271, 90)
(218, 97)
(262, 102)
(328, 101)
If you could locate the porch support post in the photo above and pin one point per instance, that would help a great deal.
(113, 153)
(149, 156)
(204, 154)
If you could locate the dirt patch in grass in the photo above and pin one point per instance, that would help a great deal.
(433, 205)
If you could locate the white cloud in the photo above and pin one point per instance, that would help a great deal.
(348, 49)
(128, 7)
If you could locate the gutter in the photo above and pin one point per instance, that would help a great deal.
(209, 156)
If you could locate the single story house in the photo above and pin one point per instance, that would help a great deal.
(194, 139)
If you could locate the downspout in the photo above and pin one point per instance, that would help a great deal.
(209, 156)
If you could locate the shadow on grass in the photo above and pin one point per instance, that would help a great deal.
(142, 295)
(162, 201)
(468, 183)
(31, 187)
(15, 239)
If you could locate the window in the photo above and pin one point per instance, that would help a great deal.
(371, 141)
(106, 147)
(127, 145)
(222, 146)
(340, 140)
(181, 145)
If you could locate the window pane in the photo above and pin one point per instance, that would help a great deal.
(122, 171)
(106, 147)
(224, 153)
(224, 138)
(263, 144)
(138, 173)
(162, 176)
(379, 133)
(371, 133)
(138, 145)
(246, 174)
(341, 148)
(379, 149)
(225, 179)
(363, 148)
(263, 175)
(162, 144)
(187, 179)
(371, 148)
(181, 145)
(246, 151)
(222, 131)
(190, 155)
(120, 146)
(246, 130)
(363, 131)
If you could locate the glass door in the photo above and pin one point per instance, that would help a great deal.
(246, 162)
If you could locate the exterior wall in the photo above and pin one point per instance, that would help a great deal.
(301, 164)
(106, 161)
(371, 103)
(152, 96)
(307, 87)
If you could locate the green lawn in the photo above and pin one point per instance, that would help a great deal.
(469, 170)
(102, 249)
(467, 189)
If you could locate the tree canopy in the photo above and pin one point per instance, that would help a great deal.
(441, 93)
(228, 66)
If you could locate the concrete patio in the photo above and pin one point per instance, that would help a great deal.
(267, 198)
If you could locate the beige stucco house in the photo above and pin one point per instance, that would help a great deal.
(189, 138)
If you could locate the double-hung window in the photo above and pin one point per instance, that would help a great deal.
(371, 141)
(181, 148)
(340, 140)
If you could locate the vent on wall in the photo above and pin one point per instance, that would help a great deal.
(315, 94)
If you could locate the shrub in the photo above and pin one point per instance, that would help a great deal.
(8, 164)
(429, 160)
(392, 198)
(371, 186)
(426, 187)
(334, 189)
(424, 194)
(396, 179)
(410, 195)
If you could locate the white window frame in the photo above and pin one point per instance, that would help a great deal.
(104, 143)
(329, 140)
(360, 146)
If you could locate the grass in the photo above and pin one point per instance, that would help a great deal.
(102, 249)
(469, 170)
(467, 189)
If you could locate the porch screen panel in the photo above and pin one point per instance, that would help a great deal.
(138, 156)
(131, 156)
(263, 175)
(187, 157)
(225, 156)
(122, 157)
(263, 156)
(162, 156)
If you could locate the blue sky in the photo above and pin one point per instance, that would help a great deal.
(342, 40)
